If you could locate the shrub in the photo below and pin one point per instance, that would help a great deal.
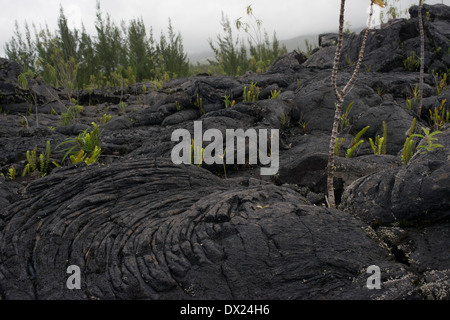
(85, 147)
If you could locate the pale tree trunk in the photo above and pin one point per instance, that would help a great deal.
(340, 96)
(422, 58)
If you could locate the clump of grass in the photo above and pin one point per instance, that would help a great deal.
(274, 94)
(357, 141)
(379, 144)
(38, 164)
(439, 116)
(251, 94)
(408, 147)
(199, 104)
(412, 62)
(105, 119)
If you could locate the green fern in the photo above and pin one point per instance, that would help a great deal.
(85, 147)
(12, 173)
(357, 141)
(38, 163)
(379, 144)
(429, 140)
(408, 147)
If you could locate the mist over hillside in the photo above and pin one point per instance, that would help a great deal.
(296, 43)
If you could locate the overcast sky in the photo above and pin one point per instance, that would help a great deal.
(197, 20)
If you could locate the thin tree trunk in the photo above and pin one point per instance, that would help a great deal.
(422, 58)
(340, 96)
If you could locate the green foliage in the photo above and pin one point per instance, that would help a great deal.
(85, 147)
(12, 173)
(120, 54)
(199, 104)
(391, 11)
(412, 62)
(252, 94)
(38, 163)
(338, 146)
(262, 51)
(200, 152)
(122, 106)
(439, 116)
(58, 71)
(441, 82)
(415, 91)
(171, 55)
(105, 119)
(344, 121)
(228, 102)
(309, 48)
(408, 147)
(349, 61)
(429, 138)
(283, 120)
(379, 145)
(233, 58)
(408, 104)
(357, 141)
(23, 82)
(380, 91)
(72, 115)
(115, 55)
(23, 79)
(274, 94)
(223, 162)
(230, 54)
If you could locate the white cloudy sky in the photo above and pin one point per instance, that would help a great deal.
(197, 20)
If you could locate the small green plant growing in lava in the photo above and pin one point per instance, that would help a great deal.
(199, 104)
(429, 138)
(38, 164)
(439, 116)
(228, 103)
(408, 147)
(23, 81)
(105, 119)
(252, 94)
(12, 173)
(274, 94)
(379, 144)
(357, 141)
(196, 154)
(86, 147)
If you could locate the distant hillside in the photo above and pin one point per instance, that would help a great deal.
(299, 42)
(291, 44)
